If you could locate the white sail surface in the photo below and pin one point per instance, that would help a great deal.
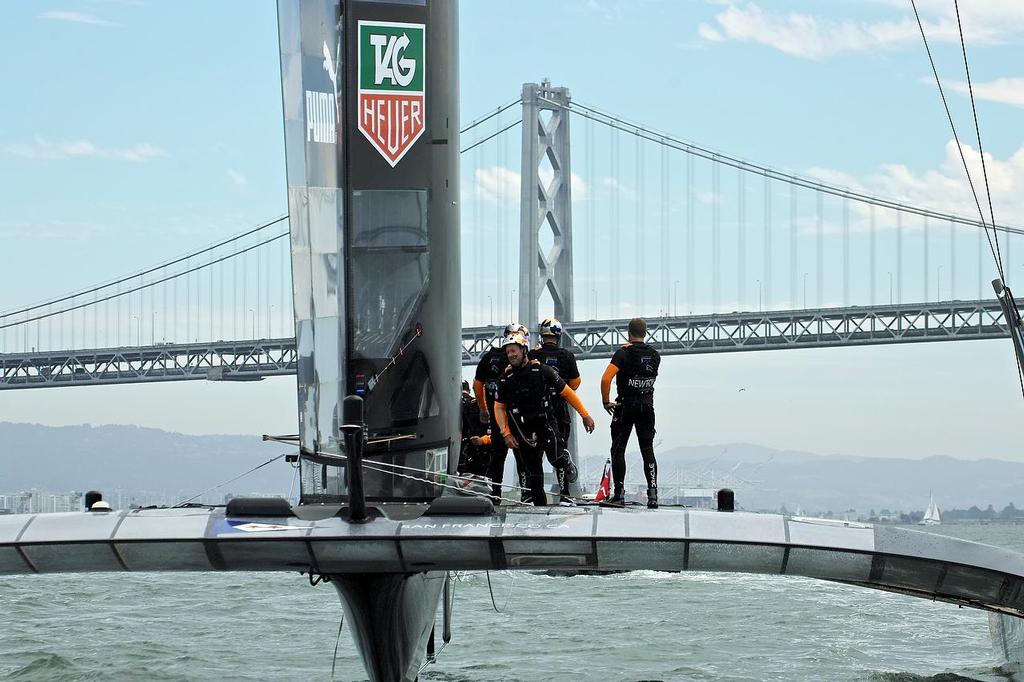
(931, 515)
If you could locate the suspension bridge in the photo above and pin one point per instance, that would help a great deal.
(573, 211)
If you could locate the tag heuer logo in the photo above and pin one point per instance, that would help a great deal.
(392, 61)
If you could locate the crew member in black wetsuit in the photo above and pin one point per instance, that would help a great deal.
(522, 410)
(474, 459)
(485, 386)
(635, 369)
(564, 363)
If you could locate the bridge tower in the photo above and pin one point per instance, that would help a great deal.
(546, 205)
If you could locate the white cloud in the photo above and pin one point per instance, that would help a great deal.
(495, 183)
(41, 148)
(499, 182)
(616, 186)
(76, 18)
(816, 37)
(50, 229)
(1002, 90)
(237, 178)
(943, 188)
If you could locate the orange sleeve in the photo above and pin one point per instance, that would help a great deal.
(606, 382)
(574, 400)
(575, 383)
(501, 419)
(478, 390)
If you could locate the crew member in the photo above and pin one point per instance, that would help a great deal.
(564, 363)
(522, 410)
(474, 459)
(635, 369)
(485, 386)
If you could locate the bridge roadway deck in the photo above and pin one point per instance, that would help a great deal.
(404, 540)
(731, 332)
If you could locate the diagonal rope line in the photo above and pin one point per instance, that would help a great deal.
(977, 132)
(956, 138)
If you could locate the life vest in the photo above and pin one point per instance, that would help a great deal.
(527, 391)
(637, 372)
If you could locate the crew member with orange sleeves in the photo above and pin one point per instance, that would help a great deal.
(635, 369)
(563, 362)
(522, 412)
(485, 387)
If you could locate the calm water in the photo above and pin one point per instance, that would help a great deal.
(640, 626)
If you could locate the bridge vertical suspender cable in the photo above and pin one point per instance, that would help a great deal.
(846, 251)
(716, 238)
(741, 238)
(766, 269)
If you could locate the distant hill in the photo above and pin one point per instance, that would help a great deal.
(768, 479)
(132, 458)
(105, 458)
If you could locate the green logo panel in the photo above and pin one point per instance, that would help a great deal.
(391, 56)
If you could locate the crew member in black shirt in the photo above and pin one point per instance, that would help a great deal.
(485, 386)
(564, 363)
(635, 369)
(522, 410)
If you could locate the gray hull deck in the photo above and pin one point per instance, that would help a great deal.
(200, 539)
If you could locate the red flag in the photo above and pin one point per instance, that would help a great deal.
(604, 490)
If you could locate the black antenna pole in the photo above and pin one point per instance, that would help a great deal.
(353, 428)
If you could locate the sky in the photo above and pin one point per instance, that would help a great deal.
(139, 129)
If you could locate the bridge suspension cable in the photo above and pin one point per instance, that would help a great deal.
(618, 123)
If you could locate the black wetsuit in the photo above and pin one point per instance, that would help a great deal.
(489, 370)
(526, 393)
(563, 362)
(637, 371)
(473, 459)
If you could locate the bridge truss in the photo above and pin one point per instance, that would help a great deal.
(594, 339)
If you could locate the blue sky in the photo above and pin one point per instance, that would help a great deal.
(135, 131)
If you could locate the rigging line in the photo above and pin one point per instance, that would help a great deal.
(491, 136)
(956, 138)
(144, 272)
(692, 149)
(488, 117)
(464, 491)
(508, 597)
(457, 477)
(259, 466)
(337, 642)
(144, 286)
(977, 132)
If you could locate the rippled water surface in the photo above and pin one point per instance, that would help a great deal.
(639, 626)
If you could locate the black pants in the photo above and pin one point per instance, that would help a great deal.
(498, 451)
(628, 416)
(536, 438)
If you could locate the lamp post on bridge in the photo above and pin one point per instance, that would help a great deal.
(593, 304)
(152, 327)
(805, 291)
(490, 301)
(675, 297)
(253, 323)
(511, 306)
(758, 296)
(890, 288)
(938, 284)
(138, 329)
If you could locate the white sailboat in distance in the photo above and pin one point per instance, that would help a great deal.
(931, 515)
